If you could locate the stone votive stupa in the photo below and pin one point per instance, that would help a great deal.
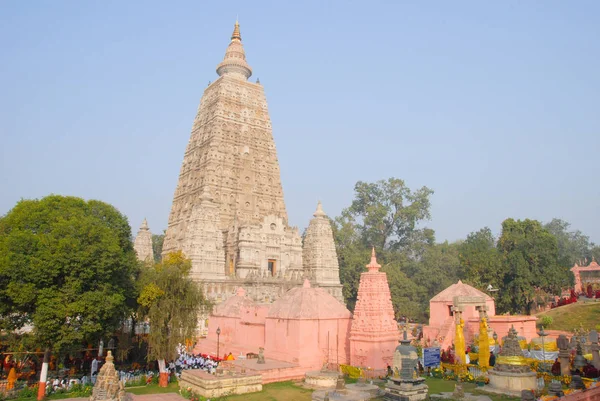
(108, 386)
(403, 385)
(512, 373)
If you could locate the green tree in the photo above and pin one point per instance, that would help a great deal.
(353, 256)
(529, 261)
(480, 260)
(67, 267)
(573, 246)
(596, 253)
(157, 245)
(407, 296)
(387, 213)
(436, 270)
(171, 301)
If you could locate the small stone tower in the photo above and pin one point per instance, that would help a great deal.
(143, 243)
(374, 334)
(319, 257)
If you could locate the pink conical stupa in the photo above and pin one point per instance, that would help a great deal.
(374, 334)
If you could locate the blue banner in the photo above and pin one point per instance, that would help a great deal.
(431, 357)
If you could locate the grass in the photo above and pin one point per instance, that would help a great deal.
(289, 391)
(570, 317)
(437, 386)
(173, 387)
(282, 391)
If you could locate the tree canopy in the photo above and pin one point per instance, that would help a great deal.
(67, 266)
(527, 262)
(385, 214)
(529, 255)
(171, 301)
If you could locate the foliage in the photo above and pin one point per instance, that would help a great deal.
(546, 321)
(157, 245)
(573, 246)
(436, 269)
(171, 301)
(529, 259)
(67, 266)
(480, 261)
(387, 213)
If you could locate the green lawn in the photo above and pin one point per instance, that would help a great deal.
(283, 391)
(289, 391)
(173, 387)
(570, 317)
(437, 386)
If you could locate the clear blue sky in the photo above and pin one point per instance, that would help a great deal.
(493, 104)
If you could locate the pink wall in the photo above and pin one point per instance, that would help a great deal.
(245, 332)
(373, 354)
(304, 341)
(525, 325)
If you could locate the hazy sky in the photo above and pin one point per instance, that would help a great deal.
(495, 105)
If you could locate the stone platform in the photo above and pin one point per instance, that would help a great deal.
(320, 379)
(271, 371)
(398, 389)
(341, 395)
(372, 389)
(210, 386)
(511, 383)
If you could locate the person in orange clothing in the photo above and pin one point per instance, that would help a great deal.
(230, 357)
(12, 378)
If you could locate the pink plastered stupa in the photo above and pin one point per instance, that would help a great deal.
(374, 333)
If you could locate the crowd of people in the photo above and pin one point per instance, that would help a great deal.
(187, 360)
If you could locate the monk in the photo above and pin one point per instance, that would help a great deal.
(230, 357)
(12, 378)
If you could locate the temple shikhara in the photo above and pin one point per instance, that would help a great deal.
(143, 243)
(228, 214)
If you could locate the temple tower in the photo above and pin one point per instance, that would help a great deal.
(374, 334)
(143, 243)
(319, 257)
(231, 159)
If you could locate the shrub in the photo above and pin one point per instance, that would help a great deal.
(27, 392)
(546, 321)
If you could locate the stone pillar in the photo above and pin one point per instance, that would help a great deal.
(563, 354)
(595, 349)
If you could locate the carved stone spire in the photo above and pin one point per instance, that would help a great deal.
(234, 62)
(319, 213)
(319, 258)
(143, 243)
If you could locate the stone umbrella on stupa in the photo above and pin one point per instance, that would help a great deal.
(374, 333)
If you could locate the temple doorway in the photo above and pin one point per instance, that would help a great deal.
(272, 266)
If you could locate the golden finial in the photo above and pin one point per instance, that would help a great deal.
(236, 31)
